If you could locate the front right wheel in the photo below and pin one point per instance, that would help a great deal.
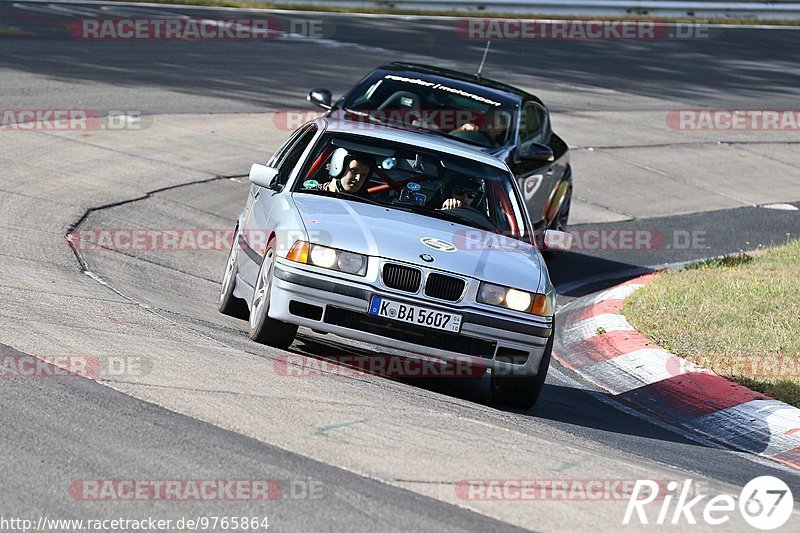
(521, 391)
(228, 303)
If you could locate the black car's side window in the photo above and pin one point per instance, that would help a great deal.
(292, 156)
(532, 125)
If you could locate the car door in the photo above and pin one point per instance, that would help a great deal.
(256, 225)
(537, 180)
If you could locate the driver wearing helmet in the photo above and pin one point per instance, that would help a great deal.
(459, 191)
(349, 173)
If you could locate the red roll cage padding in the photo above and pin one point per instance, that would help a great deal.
(390, 184)
(508, 211)
(319, 161)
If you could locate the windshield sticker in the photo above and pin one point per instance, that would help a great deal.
(438, 244)
(439, 86)
(388, 163)
(311, 184)
(413, 186)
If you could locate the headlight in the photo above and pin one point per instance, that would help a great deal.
(325, 257)
(491, 294)
(517, 300)
(322, 257)
(350, 262)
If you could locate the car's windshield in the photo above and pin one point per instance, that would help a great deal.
(405, 177)
(473, 114)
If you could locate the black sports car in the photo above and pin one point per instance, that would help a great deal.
(509, 123)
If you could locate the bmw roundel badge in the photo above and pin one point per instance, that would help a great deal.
(427, 258)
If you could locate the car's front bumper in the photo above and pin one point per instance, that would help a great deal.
(339, 306)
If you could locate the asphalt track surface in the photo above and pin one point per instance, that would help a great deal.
(59, 430)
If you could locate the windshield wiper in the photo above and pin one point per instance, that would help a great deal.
(444, 215)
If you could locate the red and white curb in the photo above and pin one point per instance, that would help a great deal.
(598, 343)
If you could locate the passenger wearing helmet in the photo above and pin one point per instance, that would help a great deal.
(350, 173)
(459, 191)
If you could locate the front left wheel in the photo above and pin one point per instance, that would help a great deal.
(521, 391)
(264, 329)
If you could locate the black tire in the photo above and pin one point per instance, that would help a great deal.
(263, 329)
(228, 303)
(521, 391)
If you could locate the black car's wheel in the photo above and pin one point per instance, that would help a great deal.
(521, 391)
(264, 329)
(228, 303)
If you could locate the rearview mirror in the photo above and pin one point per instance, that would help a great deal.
(263, 175)
(537, 152)
(320, 97)
(555, 241)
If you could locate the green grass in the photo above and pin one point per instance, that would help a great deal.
(739, 316)
(477, 13)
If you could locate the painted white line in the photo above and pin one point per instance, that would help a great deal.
(780, 207)
(640, 368)
(766, 427)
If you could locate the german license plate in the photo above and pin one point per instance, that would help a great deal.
(414, 314)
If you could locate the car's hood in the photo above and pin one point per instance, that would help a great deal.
(401, 235)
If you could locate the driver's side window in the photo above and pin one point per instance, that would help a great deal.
(289, 160)
(531, 127)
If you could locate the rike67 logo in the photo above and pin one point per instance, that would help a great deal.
(765, 503)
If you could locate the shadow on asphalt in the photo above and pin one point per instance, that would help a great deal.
(575, 274)
(557, 403)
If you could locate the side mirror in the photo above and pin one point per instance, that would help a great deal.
(556, 241)
(320, 97)
(264, 176)
(537, 152)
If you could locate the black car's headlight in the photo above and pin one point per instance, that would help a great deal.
(515, 299)
(326, 257)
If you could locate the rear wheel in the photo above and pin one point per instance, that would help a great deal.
(264, 329)
(228, 303)
(521, 391)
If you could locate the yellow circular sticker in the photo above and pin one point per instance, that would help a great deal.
(438, 244)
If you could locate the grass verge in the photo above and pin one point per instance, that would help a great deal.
(478, 13)
(739, 316)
